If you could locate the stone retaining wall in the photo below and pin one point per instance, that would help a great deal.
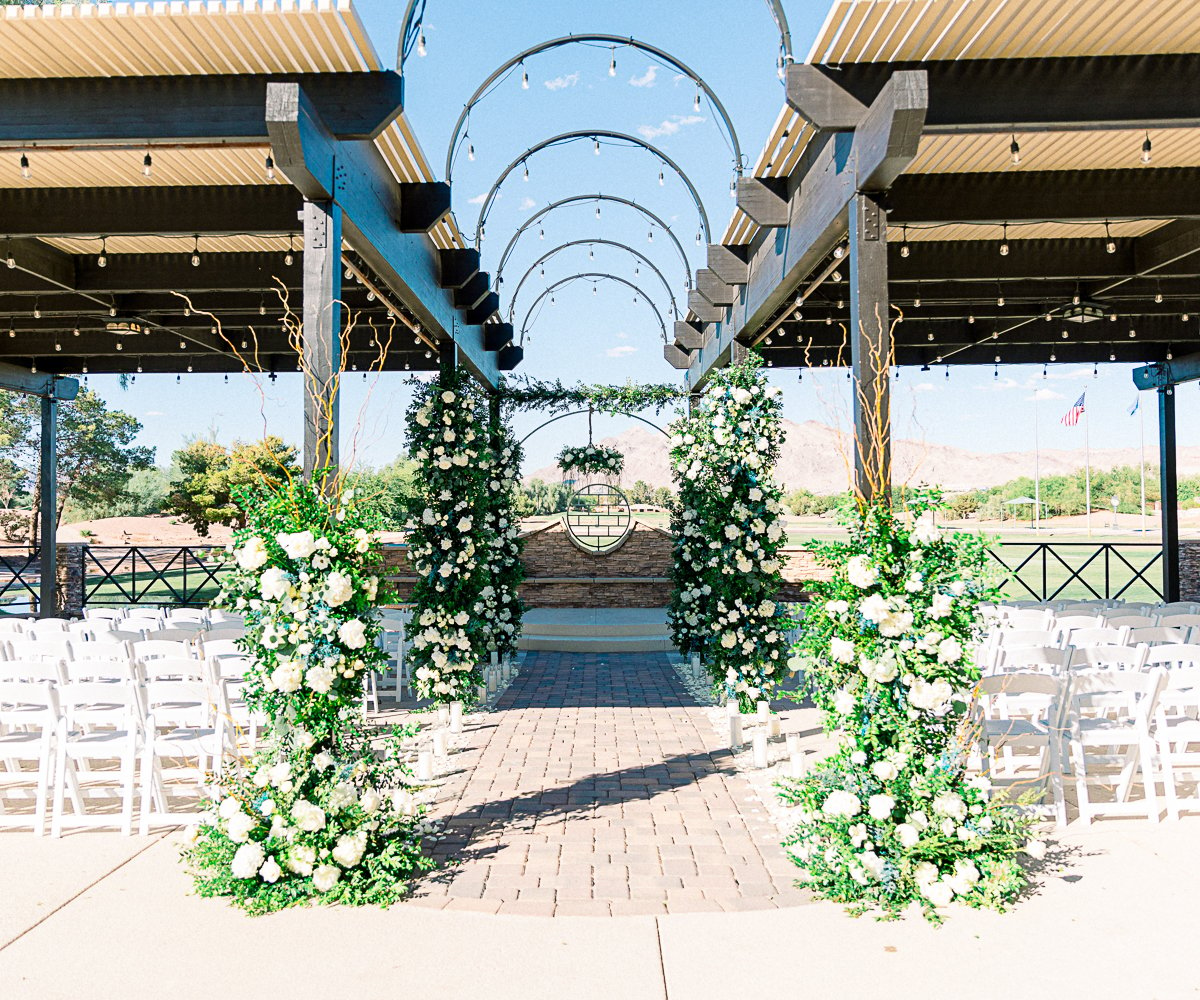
(635, 575)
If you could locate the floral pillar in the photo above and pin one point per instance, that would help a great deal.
(500, 602)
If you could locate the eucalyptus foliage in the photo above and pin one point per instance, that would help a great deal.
(315, 814)
(892, 819)
(728, 533)
(523, 393)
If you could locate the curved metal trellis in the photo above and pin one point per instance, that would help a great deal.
(512, 305)
(596, 135)
(577, 413)
(613, 40)
(593, 276)
(577, 198)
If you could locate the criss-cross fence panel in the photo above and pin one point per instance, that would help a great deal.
(1050, 571)
(173, 575)
(20, 577)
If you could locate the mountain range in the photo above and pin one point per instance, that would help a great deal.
(820, 458)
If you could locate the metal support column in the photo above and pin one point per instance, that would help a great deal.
(1170, 493)
(48, 529)
(870, 347)
(322, 335)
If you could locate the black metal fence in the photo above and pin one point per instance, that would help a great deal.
(174, 575)
(1048, 571)
(20, 577)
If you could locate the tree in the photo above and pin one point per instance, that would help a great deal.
(208, 474)
(387, 490)
(96, 453)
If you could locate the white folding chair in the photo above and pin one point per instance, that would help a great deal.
(1111, 711)
(150, 649)
(102, 723)
(185, 721)
(39, 649)
(139, 625)
(176, 632)
(1026, 618)
(1177, 608)
(103, 614)
(1097, 637)
(1155, 635)
(1118, 619)
(163, 668)
(1024, 711)
(208, 648)
(32, 670)
(114, 666)
(12, 626)
(1078, 621)
(1029, 638)
(1177, 733)
(50, 628)
(1033, 659)
(241, 719)
(29, 724)
(1108, 658)
(177, 615)
(1174, 656)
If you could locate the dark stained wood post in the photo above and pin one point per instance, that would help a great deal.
(870, 347)
(1167, 456)
(322, 335)
(48, 531)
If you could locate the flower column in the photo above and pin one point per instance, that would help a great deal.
(450, 538)
(500, 603)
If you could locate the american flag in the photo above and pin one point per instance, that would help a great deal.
(1071, 417)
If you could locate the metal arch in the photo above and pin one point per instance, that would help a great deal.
(576, 413)
(597, 135)
(512, 304)
(781, 22)
(593, 276)
(613, 40)
(687, 267)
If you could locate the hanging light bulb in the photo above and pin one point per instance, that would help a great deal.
(591, 253)
(542, 270)
(1146, 146)
(904, 251)
(75, 332)
(9, 260)
(1158, 296)
(57, 345)
(1053, 357)
(102, 260)
(1014, 151)
(269, 164)
(594, 292)
(596, 146)
(196, 253)
(1132, 334)
(541, 233)
(661, 179)
(421, 50)
(84, 368)
(552, 299)
(733, 186)
(1185, 317)
(524, 77)
(147, 165)
(1075, 299)
(37, 312)
(929, 335)
(33, 366)
(1000, 300)
(650, 236)
(637, 269)
(971, 318)
(120, 346)
(288, 258)
(612, 63)
(1112, 355)
(26, 173)
(699, 238)
(696, 102)
(917, 300)
(525, 174)
(471, 151)
(839, 252)
(1109, 246)
(1004, 242)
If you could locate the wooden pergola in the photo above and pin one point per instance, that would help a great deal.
(977, 182)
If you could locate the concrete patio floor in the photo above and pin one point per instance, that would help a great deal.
(97, 915)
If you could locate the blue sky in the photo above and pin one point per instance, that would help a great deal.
(598, 333)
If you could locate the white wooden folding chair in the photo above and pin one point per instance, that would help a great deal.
(1155, 635)
(1109, 726)
(32, 670)
(1174, 656)
(151, 649)
(1105, 636)
(1177, 733)
(29, 725)
(1033, 659)
(1078, 621)
(165, 668)
(1029, 638)
(207, 648)
(39, 649)
(1108, 658)
(102, 722)
(10, 626)
(1117, 619)
(1026, 618)
(185, 722)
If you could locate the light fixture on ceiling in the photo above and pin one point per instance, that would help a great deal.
(1109, 245)
(524, 77)
(1085, 311)
(1014, 152)
(26, 173)
(196, 252)
(1004, 241)
(147, 165)
(1146, 147)
(102, 259)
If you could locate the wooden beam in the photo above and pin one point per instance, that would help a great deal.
(164, 211)
(509, 357)
(704, 310)
(676, 357)
(821, 100)
(688, 336)
(423, 206)
(469, 294)
(195, 108)
(358, 178)
(764, 200)
(1144, 92)
(1165, 373)
(16, 379)
(322, 337)
(823, 184)
(713, 288)
(729, 263)
(497, 336)
(1033, 195)
(458, 266)
(483, 310)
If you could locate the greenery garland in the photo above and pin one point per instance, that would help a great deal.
(591, 458)
(722, 457)
(891, 819)
(500, 598)
(523, 393)
(314, 815)
(450, 537)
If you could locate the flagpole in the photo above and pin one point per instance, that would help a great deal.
(1037, 470)
(1087, 451)
(1142, 463)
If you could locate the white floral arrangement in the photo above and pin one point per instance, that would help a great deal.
(314, 814)
(591, 459)
(891, 819)
(499, 603)
(727, 567)
(451, 540)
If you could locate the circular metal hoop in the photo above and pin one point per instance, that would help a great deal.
(594, 276)
(598, 517)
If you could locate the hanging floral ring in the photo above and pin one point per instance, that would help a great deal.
(591, 458)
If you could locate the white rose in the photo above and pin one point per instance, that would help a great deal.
(370, 800)
(349, 849)
(925, 534)
(246, 861)
(287, 676)
(321, 761)
(229, 807)
(941, 606)
(958, 588)
(1035, 849)
(841, 803)
(352, 634)
(325, 877)
(841, 650)
(252, 554)
(308, 817)
(949, 651)
(298, 545)
(861, 573)
(843, 702)
(880, 806)
(950, 804)
(907, 834)
(875, 608)
(239, 827)
(270, 871)
(884, 770)
(274, 584)
(300, 860)
(339, 588)
(319, 679)
(939, 893)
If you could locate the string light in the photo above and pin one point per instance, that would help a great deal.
(1158, 293)
(26, 173)
(597, 210)
(1109, 246)
(650, 236)
(596, 146)
(904, 251)
(696, 102)
(9, 260)
(525, 173)
(33, 366)
(196, 253)
(288, 258)
(1004, 242)
(612, 63)
(541, 233)
(421, 50)
(147, 165)
(699, 237)
(269, 164)
(1146, 146)
(37, 312)
(524, 77)
(102, 260)
(1014, 151)
(471, 151)
(661, 179)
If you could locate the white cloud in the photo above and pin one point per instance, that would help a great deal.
(1004, 383)
(620, 351)
(527, 203)
(562, 82)
(479, 199)
(669, 126)
(924, 387)
(1042, 394)
(1074, 373)
(622, 335)
(646, 79)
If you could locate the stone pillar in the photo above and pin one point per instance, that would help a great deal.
(1189, 571)
(70, 578)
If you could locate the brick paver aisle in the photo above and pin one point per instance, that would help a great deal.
(597, 787)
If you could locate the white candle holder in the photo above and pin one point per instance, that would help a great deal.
(760, 749)
(735, 731)
(456, 717)
(425, 766)
(439, 743)
(443, 715)
(764, 712)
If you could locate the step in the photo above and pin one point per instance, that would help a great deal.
(615, 630)
(596, 644)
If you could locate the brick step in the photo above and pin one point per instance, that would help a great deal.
(590, 643)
